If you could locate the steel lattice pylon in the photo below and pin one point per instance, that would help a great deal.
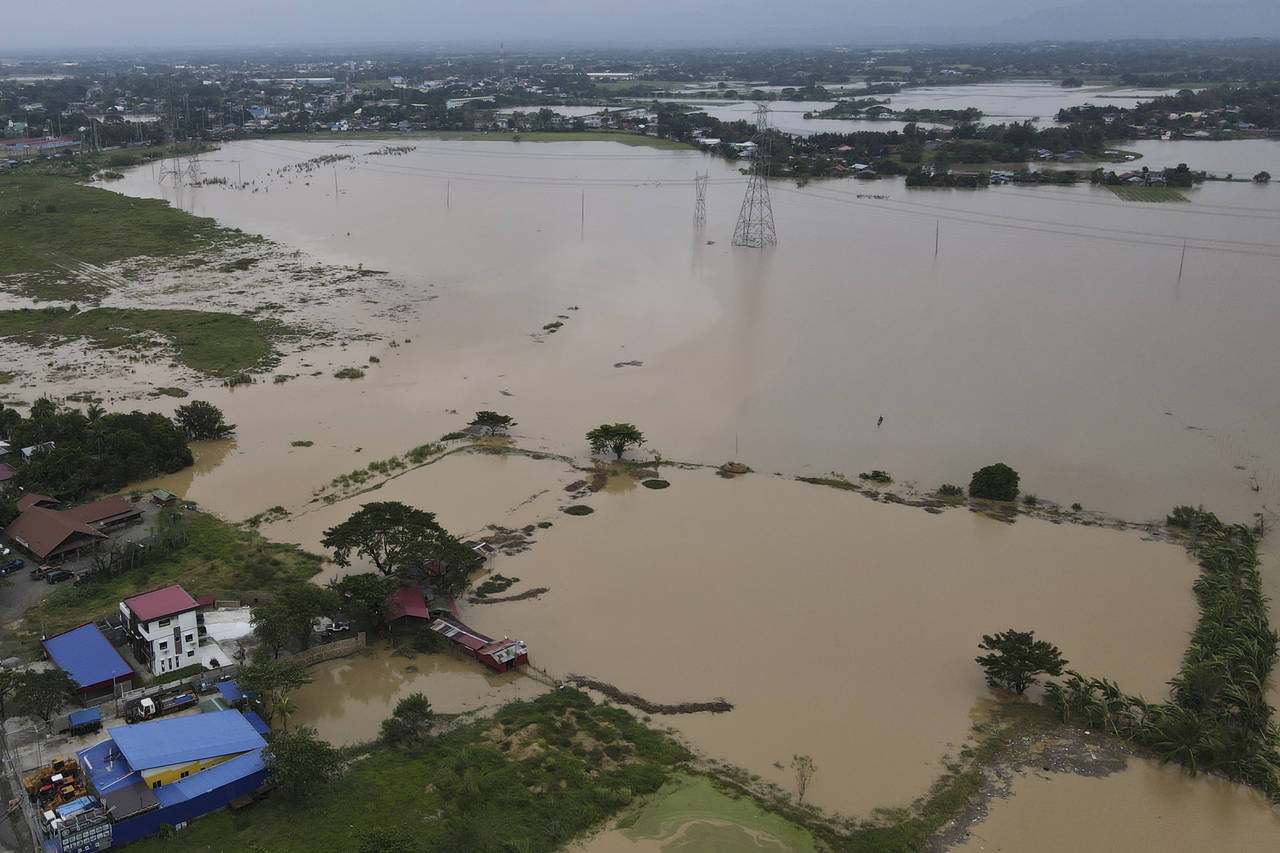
(755, 221)
(700, 206)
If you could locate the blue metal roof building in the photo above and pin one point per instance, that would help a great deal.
(179, 740)
(85, 655)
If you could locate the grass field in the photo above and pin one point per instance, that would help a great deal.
(1154, 194)
(218, 559)
(49, 223)
(213, 343)
(532, 779)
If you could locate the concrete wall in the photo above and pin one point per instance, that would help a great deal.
(329, 651)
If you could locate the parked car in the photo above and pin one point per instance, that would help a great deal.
(59, 575)
(39, 572)
(337, 627)
(12, 566)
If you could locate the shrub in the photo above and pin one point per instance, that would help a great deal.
(1030, 500)
(1075, 507)
(349, 373)
(950, 490)
(876, 476)
(996, 482)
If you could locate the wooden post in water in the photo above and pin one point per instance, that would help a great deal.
(1182, 260)
(582, 226)
(448, 193)
(937, 235)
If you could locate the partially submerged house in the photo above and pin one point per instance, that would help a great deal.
(502, 655)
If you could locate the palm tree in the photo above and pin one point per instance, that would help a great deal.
(284, 709)
(1177, 734)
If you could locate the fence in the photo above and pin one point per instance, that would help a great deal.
(329, 651)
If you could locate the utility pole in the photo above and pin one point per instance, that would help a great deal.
(755, 221)
(700, 205)
(582, 226)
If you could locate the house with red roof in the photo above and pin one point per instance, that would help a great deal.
(163, 627)
(49, 534)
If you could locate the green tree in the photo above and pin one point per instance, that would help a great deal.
(395, 537)
(201, 421)
(996, 482)
(410, 722)
(290, 615)
(301, 764)
(43, 409)
(1015, 658)
(493, 423)
(9, 681)
(362, 597)
(271, 680)
(43, 693)
(283, 710)
(805, 768)
(1262, 177)
(616, 438)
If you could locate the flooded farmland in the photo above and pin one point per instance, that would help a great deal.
(1004, 346)
(1052, 330)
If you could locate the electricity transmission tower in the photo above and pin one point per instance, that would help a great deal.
(195, 169)
(755, 221)
(700, 207)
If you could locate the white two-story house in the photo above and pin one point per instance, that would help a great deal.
(164, 628)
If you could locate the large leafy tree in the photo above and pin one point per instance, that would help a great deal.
(615, 438)
(288, 617)
(202, 420)
(400, 539)
(996, 482)
(271, 680)
(362, 597)
(1015, 658)
(43, 693)
(301, 764)
(410, 721)
(492, 422)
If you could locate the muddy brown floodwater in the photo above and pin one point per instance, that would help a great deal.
(1050, 331)
(349, 698)
(1144, 807)
(838, 627)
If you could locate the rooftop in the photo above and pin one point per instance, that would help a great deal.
(406, 601)
(159, 603)
(181, 739)
(85, 655)
(43, 531)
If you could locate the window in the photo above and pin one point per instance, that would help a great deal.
(156, 784)
(191, 653)
(163, 623)
(164, 645)
(190, 638)
(185, 774)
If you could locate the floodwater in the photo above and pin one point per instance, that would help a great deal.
(788, 116)
(1051, 330)
(839, 628)
(1144, 807)
(1242, 158)
(348, 698)
(1019, 100)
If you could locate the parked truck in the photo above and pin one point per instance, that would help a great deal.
(83, 722)
(149, 709)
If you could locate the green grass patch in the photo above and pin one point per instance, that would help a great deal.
(6, 376)
(531, 779)
(349, 373)
(832, 482)
(52, 225)
(1152, 194)
(218, 559)
(210, 342)
(181, 674)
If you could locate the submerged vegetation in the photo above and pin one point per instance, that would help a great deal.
(213, 343)
(1218, 719)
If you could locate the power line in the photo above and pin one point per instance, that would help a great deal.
(700, 205)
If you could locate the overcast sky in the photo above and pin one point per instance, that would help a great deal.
(152, 24)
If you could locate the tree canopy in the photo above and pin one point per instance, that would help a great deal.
(410, 721)
(1015, 658)
(300, 763)
(362, 597)
(400, 539)
(492, 422)
(102, 453)
(996, 482)
(271, 680)
(287, 618)
(201, 421)
(43, 694)
(616, 438)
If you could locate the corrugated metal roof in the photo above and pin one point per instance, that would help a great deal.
(181, 739)
(85, 655)
(406, 601)
(215, 777)
(160, 602)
